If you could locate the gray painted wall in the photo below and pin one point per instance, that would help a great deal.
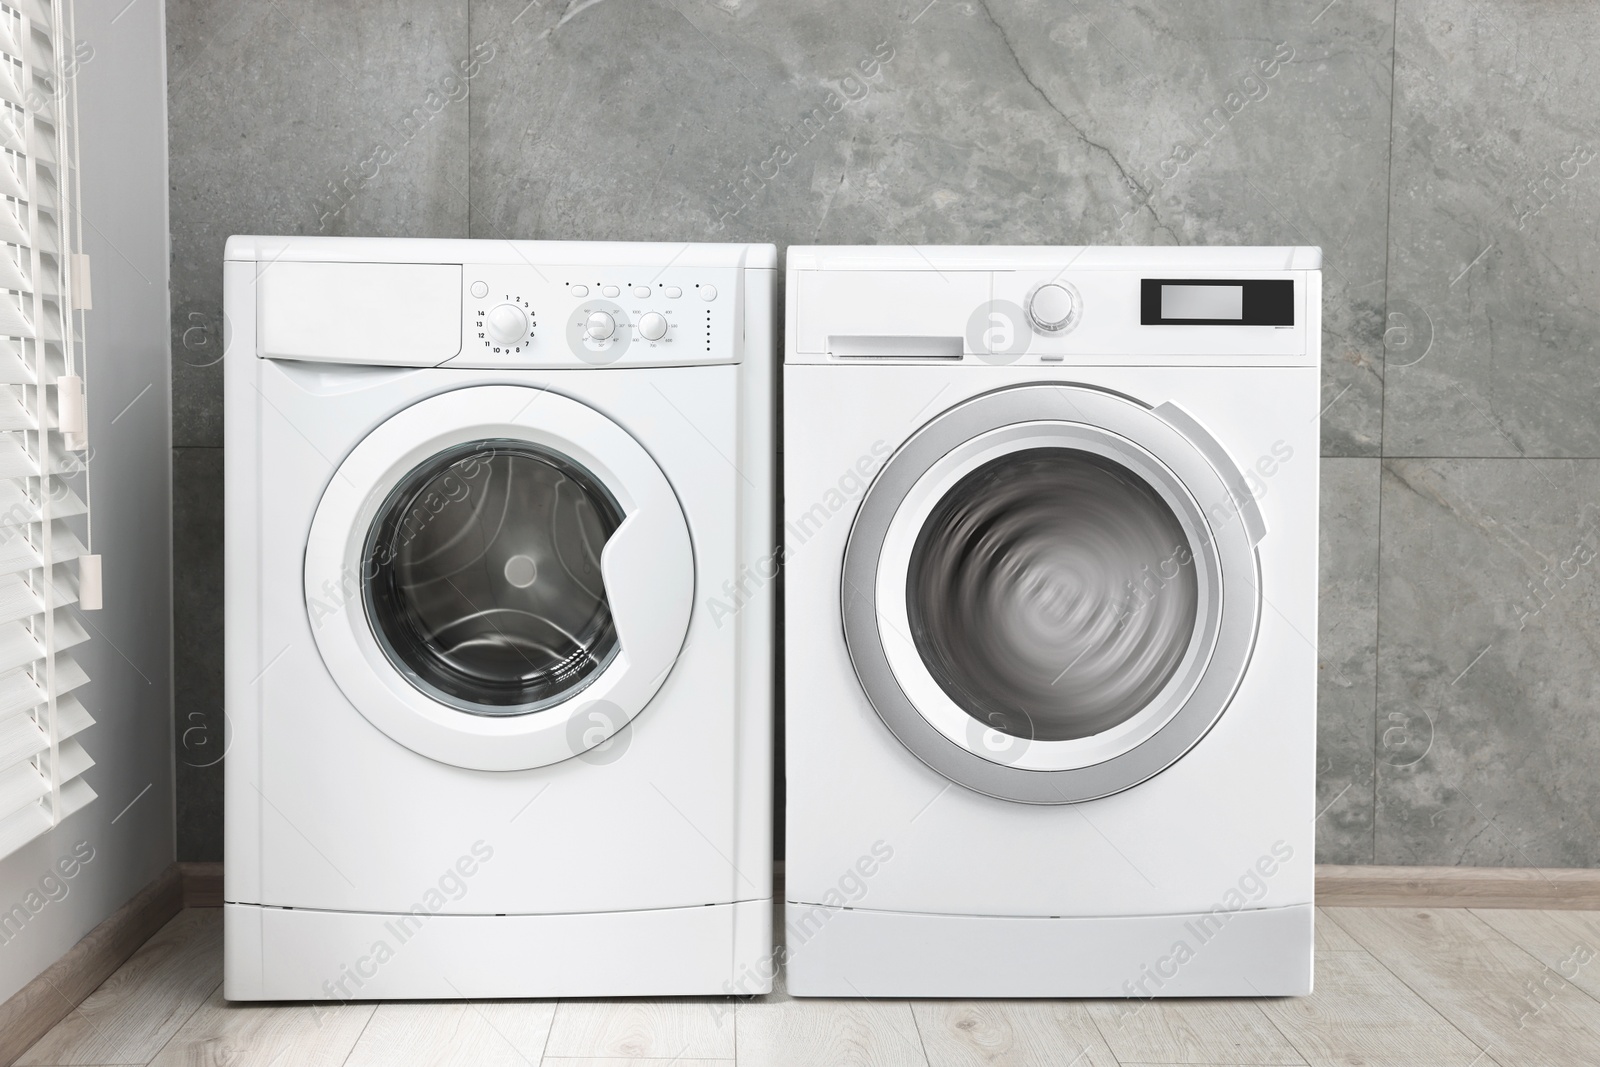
(1441, 152)
(123, 131)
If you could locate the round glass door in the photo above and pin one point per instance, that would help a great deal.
(484, 588)
(1049, 593)
(1046, 595)
(493, 569)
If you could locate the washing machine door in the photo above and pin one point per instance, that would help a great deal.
(1051, 592)
(499, 577)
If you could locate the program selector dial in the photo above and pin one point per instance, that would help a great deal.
(600, 326)
(1050, 307)
(506, 325)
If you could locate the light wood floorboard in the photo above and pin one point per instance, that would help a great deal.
(220, 1034)
(138, 1009)
(455, 1034)
(623, 1061)
(1331, 936)
(1476, 978)
(1010, 1033)
(1362, 1014)
(1566, 942)
(1192, 1031)
(687, 1028)
(781, 1032)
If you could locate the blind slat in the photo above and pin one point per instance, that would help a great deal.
(19, 692)
(73, 761)
(17, 508)
(74, 796)
(13, 323)
(21, 786)
(23, 826)
(18, 645)
(20, 739)
(13, 371)
(10, 90)
(10, 184)
(18, 599)
(71, 717)
(17, 555)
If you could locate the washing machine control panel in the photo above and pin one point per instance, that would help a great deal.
(1057, 314)
(519, 316)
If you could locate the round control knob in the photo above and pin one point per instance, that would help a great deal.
(600, 326)
(506, 325)
(1050, 307)
(653, 326)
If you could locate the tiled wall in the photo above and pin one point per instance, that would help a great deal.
(1444, 153)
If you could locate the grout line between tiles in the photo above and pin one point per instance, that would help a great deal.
(1377, 659)
(1383, 414)
(1388, 221)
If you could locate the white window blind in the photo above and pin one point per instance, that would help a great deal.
(43, 466)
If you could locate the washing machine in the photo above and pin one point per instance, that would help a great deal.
(498, 680)
(1050, 534)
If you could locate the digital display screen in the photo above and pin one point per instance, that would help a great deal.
(1216, 302)
(1202, 302)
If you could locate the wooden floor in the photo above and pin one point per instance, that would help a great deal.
(1395, 986)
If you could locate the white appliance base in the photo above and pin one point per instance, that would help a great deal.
(852, 952)
(304, 954)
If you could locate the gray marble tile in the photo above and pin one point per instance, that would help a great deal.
(1489, 663)
(1495, 201)
(1347, 642)
(303, 118)
(201, 732)
(1014, 121)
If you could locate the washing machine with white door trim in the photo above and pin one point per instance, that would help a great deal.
(1051, 561)
(492, 732)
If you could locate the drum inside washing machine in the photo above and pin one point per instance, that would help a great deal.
(485, 587)
(1049, 594)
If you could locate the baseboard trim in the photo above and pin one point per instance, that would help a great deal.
(202, 884)
(1458, 887)
(62, 986)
